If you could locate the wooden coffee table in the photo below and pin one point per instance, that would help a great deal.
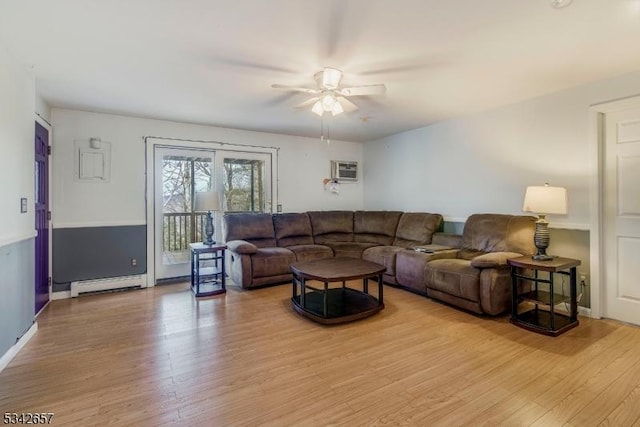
(331, 305)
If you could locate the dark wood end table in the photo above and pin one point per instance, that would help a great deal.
(207, 269)
(543, 318)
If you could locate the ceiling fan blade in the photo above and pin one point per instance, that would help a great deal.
(346, 104)
(363, 90)
(296, 88)
(307, 103)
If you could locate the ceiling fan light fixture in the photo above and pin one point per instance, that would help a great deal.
(331, 77)
(336, 109)
(328, 101)
(317, 108)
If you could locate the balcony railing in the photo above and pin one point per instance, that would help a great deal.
(180, 229)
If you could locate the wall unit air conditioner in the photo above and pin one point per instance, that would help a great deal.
(344, 170)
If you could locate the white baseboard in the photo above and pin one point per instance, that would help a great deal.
(11, 353)
(60, 295)
(584, 311)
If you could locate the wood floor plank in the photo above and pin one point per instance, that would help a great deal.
(158, 356)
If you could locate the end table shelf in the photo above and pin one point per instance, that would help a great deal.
(544, 297)
(207, 269)
(542, 317)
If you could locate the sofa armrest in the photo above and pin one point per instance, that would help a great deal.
(446, 254)
(447, 239)
(493, 259)
(242, 247)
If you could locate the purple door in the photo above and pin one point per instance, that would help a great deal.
(42, 216)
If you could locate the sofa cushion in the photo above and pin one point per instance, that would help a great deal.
(415, 229)
(499, 233)
(272, 261)
(252, 227)
(375, 226)
(242, 247)
(447, 239)
(331, 226)
(383, 255)
(311, 252)
(349, 249)
(454, 277)
(410, 267)
(292, 229)
(493, 259)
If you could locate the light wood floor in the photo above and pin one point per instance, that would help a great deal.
(158, 356)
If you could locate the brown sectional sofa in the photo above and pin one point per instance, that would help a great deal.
(473, 274)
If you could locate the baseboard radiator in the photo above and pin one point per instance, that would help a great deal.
(108, 284)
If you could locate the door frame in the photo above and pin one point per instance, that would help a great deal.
(151, 142)
(596, 144)
(42, 122)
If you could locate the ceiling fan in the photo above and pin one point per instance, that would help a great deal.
(329, 96)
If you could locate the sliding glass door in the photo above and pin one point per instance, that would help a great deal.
(243, 180)
(246, 179)
(179, 175)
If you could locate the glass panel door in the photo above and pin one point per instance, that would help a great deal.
(246, 181)
(180, 174)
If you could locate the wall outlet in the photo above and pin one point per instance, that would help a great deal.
(134, 262)
(279, 208)
(583, 278)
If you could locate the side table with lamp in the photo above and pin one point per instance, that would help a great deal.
(534, 308)
(207, 258)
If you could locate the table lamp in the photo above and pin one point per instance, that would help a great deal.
(544, 200)
(207, 201)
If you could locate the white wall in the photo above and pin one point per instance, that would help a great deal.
(17, 94)
(17, 98)
(482, 163)
(303, 163)
(42, 108)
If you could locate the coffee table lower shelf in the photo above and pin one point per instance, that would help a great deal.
(343, 305)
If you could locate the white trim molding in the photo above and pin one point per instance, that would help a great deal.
(60, 295)
(15, 349)
(98, 224)
(17, 238)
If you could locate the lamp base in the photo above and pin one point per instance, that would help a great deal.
(208, 230)
(541, 239)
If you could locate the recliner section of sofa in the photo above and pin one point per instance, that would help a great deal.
(255, 259)
(477, 276)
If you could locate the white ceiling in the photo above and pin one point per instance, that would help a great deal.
(213, 62)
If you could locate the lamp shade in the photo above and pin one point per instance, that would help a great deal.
(207, 201)
(545, 200)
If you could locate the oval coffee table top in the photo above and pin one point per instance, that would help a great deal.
(336, 269)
